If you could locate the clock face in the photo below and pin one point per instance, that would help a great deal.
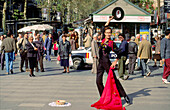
(118, 13)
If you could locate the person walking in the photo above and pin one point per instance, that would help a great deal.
(165, 55)
(40, 53)
(137, 41)
(132, 53)
(9, 46)
(76, 39)
(64, 52)
(48, 46)
(95, 53)
(32, 55)
(73, 42)
(2, 54)
(123, 52)
(145, 53)
(55, 48)
(157, 55)
(23, 53)
(87, 41)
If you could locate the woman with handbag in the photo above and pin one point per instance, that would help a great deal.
(32, 52)
(64, 51)
(157, 55)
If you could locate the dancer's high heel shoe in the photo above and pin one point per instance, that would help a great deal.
(165, 81)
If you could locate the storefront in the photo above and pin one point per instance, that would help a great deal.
(134, 21)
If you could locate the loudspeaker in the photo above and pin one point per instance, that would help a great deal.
(118, 13)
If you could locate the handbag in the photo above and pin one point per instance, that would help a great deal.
(58, 58)
(157, 56)
(70, 61)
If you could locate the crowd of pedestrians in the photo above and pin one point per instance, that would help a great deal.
(34, 48)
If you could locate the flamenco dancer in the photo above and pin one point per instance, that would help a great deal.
(106, 46)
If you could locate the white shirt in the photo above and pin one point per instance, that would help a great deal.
(0, 44)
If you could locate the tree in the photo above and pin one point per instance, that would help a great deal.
(144, 4)
(4, 16)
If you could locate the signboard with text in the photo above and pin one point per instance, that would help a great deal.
(132, 19)
(167, 6)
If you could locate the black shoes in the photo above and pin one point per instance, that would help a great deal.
(127, 100)
(42, 71)
(22, 70)
(64, 72)
(31, 75)
(11, 71)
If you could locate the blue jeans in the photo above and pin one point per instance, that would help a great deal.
(139, 63)
(48, 55)
(9, 57)
(145, 67)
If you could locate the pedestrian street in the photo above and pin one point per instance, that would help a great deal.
(18, 91)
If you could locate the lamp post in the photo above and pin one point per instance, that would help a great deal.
(49, 4)
(159, 30)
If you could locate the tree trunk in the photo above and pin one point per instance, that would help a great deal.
(25, 10)
(4, 16)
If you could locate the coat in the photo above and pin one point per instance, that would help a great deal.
(48, 43)
(132, 48)
(73, 44)
(94, 49)
(30, 50)
(87, 41)
(158, 46)
(64, 49)
(145, 50)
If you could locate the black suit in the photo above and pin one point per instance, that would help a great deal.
(39, 45)
(32, 55)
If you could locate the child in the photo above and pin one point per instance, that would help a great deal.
(55, 48)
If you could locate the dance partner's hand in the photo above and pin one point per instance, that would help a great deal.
(114, 63)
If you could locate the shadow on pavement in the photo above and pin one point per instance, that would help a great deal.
(141, 93)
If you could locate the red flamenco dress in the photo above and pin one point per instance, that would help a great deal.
(110, 99)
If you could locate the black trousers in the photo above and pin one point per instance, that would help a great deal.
(32, 62)
(99, 79)
(132, 62)
(55, 52)
(2, 58)
(41, 63)
(24, 58)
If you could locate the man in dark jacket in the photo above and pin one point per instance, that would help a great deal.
(123, 52)
(48, 46)
(39, 45)
(132, 52)
(9, 46)
(23, 53)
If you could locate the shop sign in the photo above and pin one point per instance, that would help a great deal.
(144, 29)
(167, 6)
(132, 19)
(162, 15)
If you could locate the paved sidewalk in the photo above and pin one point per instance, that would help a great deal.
(21, 92)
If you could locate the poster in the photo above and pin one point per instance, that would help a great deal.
(144, 29)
